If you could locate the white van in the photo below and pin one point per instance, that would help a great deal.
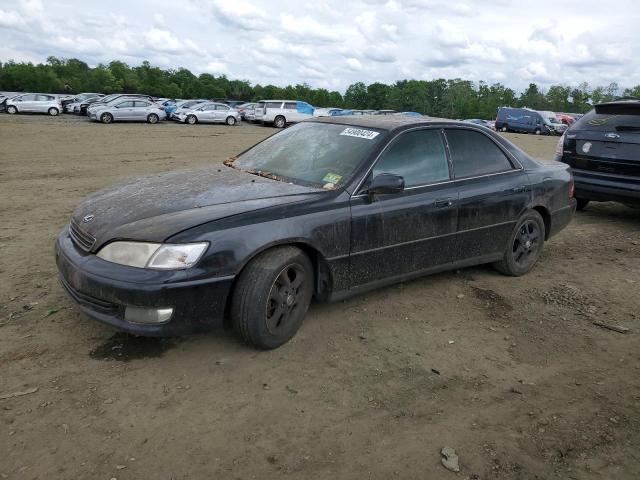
(280, 112)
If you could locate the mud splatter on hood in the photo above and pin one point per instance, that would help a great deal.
(154, 207)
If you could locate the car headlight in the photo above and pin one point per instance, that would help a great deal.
(168, 256)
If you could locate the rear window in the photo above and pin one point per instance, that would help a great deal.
(475, 154)
(274, 104)
(606, 123)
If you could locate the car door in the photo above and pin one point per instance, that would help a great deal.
(493, 192)
(221, 113)
(27, 103)
(399, 234)
(207, 113)
(122, 111)
(140, 110)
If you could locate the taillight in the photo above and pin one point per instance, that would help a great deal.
(572, 188)
(560, 146)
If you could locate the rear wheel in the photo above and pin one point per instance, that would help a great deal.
(53, 111)
(11, 109)
(191, 120)
(231, 121)
(582, 203)
(106, 118)
(279, 121)
(525, 245)
(153, 118)
(272, 297)
(504, 129)
(538, 131)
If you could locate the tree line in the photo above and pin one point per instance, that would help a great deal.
(455, 98)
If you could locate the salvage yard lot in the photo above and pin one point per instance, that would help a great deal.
(511, 373)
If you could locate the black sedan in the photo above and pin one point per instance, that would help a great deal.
(328, 208)
(603, 150)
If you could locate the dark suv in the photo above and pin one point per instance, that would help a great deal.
(603, 150)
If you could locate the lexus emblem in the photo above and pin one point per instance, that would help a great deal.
(612, 135)
(88, 218)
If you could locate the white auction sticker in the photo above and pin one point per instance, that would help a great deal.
(360, 133)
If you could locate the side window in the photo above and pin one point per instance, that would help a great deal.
(125, 105)
(28, 98)
(222, 107)
(291, 106)
(473, 154)
(274, 104)
(44, 98)
(419, 157)
(141, 104)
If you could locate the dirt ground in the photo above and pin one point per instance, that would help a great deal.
(511, 373)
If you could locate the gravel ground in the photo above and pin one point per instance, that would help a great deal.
(511, 373)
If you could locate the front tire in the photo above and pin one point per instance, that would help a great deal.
(582, 203)
(191, 120)
(538, 131)
(272, 296)
(12, 109)
(53, 111)
(231, 121)
(279, 122)
(106, 118)
(153, 118)
(525, 245)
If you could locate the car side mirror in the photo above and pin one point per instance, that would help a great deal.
(385, 184)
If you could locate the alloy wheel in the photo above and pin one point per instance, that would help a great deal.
(282, 302)
(526, 243)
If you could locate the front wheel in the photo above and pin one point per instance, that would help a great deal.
(191, 120)
(11, 109)
(153, 118)
(525, 245)
(538, 131)
(581, 203)
(106, 118)
(53, 111)
(272, 296)
(279, 121)
(231, 121)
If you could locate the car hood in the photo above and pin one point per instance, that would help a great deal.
(155, 207)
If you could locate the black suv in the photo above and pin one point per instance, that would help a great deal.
(603, 150)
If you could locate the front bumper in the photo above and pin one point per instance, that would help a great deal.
(604, 187)
(103, 289)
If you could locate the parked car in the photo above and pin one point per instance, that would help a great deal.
(279, 113)
(76, 106)
(384, 112)
(211, 112)
(526, 120)
(234, 103)
(409, 114)
(329, 208)
(565, 118)
(3, 103)
(603, 150)
(83, 107)
(479, 121)
(34, 103)
(326, 112)
(184, 106)
(246, 109)
(128, 110)
(78, 99)
(112, 99)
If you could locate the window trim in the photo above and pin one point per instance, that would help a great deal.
(514, 161)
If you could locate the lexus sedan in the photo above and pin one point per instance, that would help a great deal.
(603, 150)
(329, 208)
(34, 103)
(208, 113)
(131, 110)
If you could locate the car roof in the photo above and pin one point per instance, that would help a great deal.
(386, 122)
(279, 100)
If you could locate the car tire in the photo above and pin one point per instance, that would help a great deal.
(231, 121)
(153, 118)
(504, 129)
(12, 110)
(581, 203)
(538, 131)
(272, 297)
(106, 118)
(191, 119)
(526, 243)
(53, 111)
(279, 122)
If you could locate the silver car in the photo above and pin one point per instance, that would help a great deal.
(34, 103)
(209, 113)
(129, 110)
(185, 106)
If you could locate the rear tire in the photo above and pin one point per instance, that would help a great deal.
(582, 203)
(53, 111)
(525, 245)
(191, 120)
(106, 118)
(538, 131)
(504, 129)
(279, 122)
(272, 296)
(231, 121)
(12, 110)
(153, 118)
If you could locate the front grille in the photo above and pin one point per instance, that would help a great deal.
(89, 301)
(80, 238)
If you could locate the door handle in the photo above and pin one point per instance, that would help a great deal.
(520, 189)
(445, 203)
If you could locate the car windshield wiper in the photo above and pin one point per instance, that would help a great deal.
(230, 162)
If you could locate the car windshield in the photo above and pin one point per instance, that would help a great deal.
(317, 154)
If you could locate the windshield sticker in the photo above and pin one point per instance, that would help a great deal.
(360, 133)
(328, 186)
(332, 178)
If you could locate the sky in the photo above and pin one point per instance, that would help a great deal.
(331, 44)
